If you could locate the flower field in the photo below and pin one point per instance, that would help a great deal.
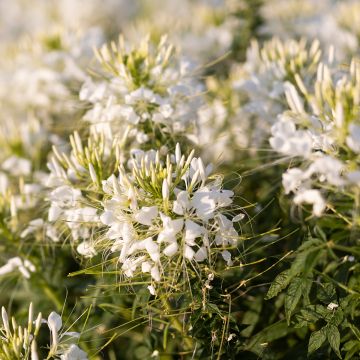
(179, 179)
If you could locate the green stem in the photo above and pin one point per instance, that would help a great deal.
(175, 323)
(344, 248)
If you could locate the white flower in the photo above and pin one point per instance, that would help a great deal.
(17, 166)
(227, 257)
(141, 94)
(54, 323)
(207, 200)
(129, 114)
(353, 140)
(34, 225)
(312, 197)
(192, 231)
(328, 168)
(332, 306)
(289, 141)
(226, 235)
(170, 227)
(152, 248)
(188, 252)
(151, 290)
(171, 249)
(148, 238)
(182, 203)
(146, 215)
(25, 267)
(62, 198)
(74, 353)
(292, 180)
(86, 249)
(201, 254)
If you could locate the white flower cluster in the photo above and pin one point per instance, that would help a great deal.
(18, 342)
(163, 213)
(321, 128)
(143, 91)
(263, 79)
(332, 22)
(209, 37)
(74, 181)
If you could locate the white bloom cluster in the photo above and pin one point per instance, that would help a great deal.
(143, 91)
(330, 21)
(74, 181)
(18, 342)
(209, 37)
(46, 72)
(21, 17)
(264, 76)
(161, 214)
(321, 128)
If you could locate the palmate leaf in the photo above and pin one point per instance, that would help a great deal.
(317, 338)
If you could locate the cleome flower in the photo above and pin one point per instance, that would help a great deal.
(142, 91)
(74, 186)
(19, 342)
(321, 128)
(267, 70)
(162, 213)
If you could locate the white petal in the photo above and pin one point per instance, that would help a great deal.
(146, 214)
(54, 321)
(188, 252)
(155, 273)
(201, 254)
(145, 267)
(171, 249)
(86, 249)
(151, 290)
(54, 213)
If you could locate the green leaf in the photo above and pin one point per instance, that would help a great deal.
(293, 296)
(317, 338)
(270, 333)
(333, 336)
(279, 284)
(308, 247)
(306, 288)
(326, 293)
(351, 347)
(337, 317)
(310, 244)
(313, 313)
(213, 308)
